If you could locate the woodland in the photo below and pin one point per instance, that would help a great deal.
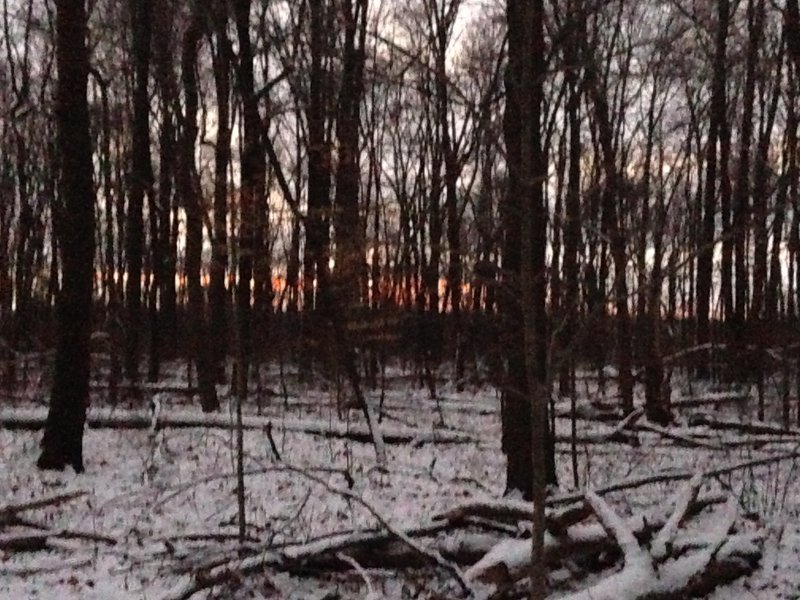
(378, 299)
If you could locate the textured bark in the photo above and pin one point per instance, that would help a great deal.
(63, 437)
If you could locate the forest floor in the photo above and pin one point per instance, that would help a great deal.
(153, 492)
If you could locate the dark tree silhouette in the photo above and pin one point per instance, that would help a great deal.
(62, 444)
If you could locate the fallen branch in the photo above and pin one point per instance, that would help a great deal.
(289, 556)
(48, 566)
(67, 534)
(9, 511)
(211, 536)
(713, 398)
(676, 436)
(667, 476)
(753, 427)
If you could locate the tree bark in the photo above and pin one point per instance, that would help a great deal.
(62, 443)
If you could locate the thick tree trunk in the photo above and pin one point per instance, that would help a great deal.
(317, 251)
(63, 438)
(527, 439)
(350, 260)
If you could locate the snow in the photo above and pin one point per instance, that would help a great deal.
(150, 491)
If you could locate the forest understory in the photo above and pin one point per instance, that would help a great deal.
(155, 511)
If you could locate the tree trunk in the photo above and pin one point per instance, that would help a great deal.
(141, 182)
(63, 438)
(705, 250)
(191, 197)
(218, 294)
(317, 250)
(350, 251)
(612, 223)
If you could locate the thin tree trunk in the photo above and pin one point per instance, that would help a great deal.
(218, 294)
(705, 250)
(141, 182)
(189, 192)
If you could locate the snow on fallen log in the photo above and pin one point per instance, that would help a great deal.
(722, 559)
(505, 509)
(510, 559)
(668, 568)
(99, 418)
(662, 543)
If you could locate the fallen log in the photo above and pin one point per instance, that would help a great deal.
(507, 510)
(667, 569)
(752, 427)
(9, 511)
(47, 566)
(678, 436)
(66, 534)
(722, 559)
(99, 418)
(23, 542)
(291, 556)
(618, 433)
(713, 398)
(510, 559)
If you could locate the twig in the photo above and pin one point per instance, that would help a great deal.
(360, 570)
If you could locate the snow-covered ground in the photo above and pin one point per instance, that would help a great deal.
(152, 492)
